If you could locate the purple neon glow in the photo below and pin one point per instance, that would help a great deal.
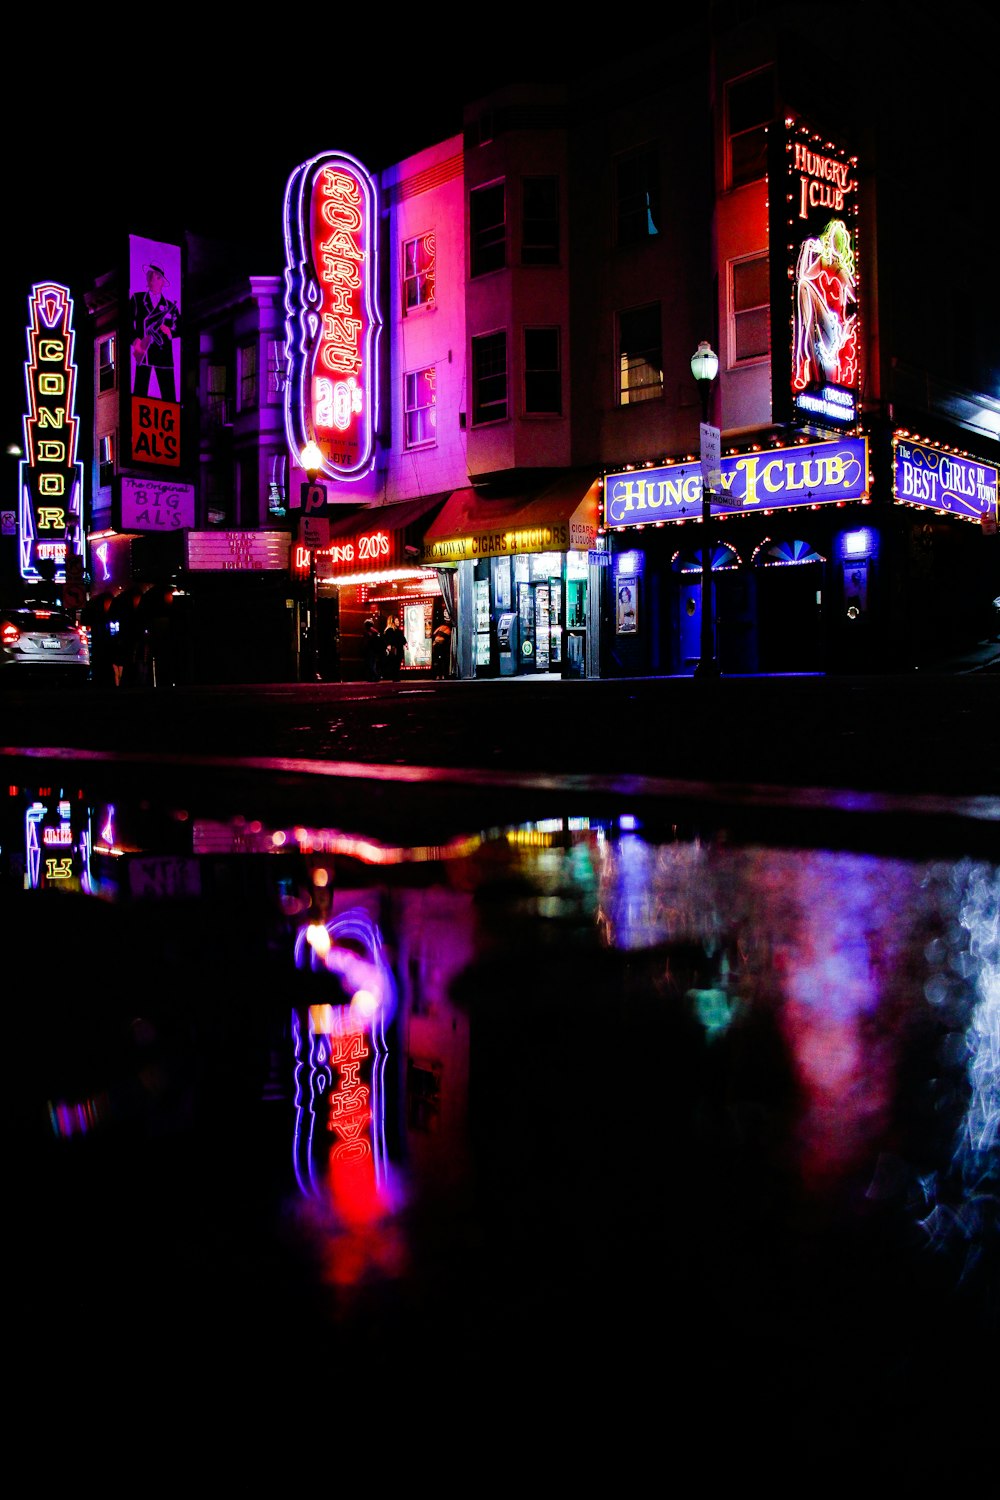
(304, 298)
(314, 1075)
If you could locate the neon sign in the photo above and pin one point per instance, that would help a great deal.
(333, 319)
(820, 235)
(50, 478)
(814, 474)
(928, 476)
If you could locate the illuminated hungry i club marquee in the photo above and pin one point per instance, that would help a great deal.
(50, 478)
(332, 312)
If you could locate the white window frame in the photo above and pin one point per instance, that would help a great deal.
(753, 310)
(419, 279)
(420, 416)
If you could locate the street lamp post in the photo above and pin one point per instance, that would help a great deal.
(704, 368)
(311, 459)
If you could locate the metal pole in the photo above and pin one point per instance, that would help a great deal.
(707, 665)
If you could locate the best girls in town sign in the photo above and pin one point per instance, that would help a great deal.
(51, 479)
(938, 479)
(333, 320)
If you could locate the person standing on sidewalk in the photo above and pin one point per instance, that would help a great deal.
(394, 642)
(372, 645)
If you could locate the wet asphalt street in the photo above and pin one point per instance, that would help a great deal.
(912, 751)
(914, 733)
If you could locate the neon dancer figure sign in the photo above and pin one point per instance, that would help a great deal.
(822, 207)
(332, 314)
(51, 479)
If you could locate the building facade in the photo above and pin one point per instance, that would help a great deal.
(527, 450)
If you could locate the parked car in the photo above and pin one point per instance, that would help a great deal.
(36, 638)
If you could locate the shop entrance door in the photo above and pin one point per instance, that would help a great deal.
(538, 646)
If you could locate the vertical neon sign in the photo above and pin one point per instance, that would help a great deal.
(821, 199)
(332, 313)
(50, 478)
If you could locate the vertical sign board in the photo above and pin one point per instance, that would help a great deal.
(50, 480)
(332, 313)
(813, 195)
(153, 337)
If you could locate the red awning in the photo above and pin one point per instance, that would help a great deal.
(397, 517)
(554, 517)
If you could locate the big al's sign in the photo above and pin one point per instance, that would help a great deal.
(333, 320)
(813, 196)
(50, 479)
(153, 334)
(808, 474)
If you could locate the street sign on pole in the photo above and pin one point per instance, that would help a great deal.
(314, 531)
(711, 456)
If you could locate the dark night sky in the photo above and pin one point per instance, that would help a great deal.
(209, 151)
(151, 135)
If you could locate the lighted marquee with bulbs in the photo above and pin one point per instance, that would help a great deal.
(50, 478)
(933, 476)
(761, 481)
(813, 195)
(332, 313)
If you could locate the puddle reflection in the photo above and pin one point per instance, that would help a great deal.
(570, 1072)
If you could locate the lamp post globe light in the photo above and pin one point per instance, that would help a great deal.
(704, 368)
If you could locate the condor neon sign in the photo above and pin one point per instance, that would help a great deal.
(51, 480)
(332, 313)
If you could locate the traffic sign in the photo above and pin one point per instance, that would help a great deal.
(711, 456)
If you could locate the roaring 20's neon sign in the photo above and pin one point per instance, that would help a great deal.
(51, 480)
(333, 320)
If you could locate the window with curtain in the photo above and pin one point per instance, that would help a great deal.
(420, 407)
(640, 354)
(419, 271)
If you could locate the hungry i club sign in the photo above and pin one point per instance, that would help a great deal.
(333, 320)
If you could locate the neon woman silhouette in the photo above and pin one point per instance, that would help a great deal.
(825, 331)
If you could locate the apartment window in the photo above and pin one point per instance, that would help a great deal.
(217, 408)
(105, 460)
(540, 222)
(419, 270)
(106, 377)
(751, 305)
(420, 406)
(217, 490)
(277, 493)
(749, 110)
(637, 196)
(488, 228)
(248, 506)
(489, 378)
(640, 354)
(277, 368)
(247, 384)
(542, 372)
